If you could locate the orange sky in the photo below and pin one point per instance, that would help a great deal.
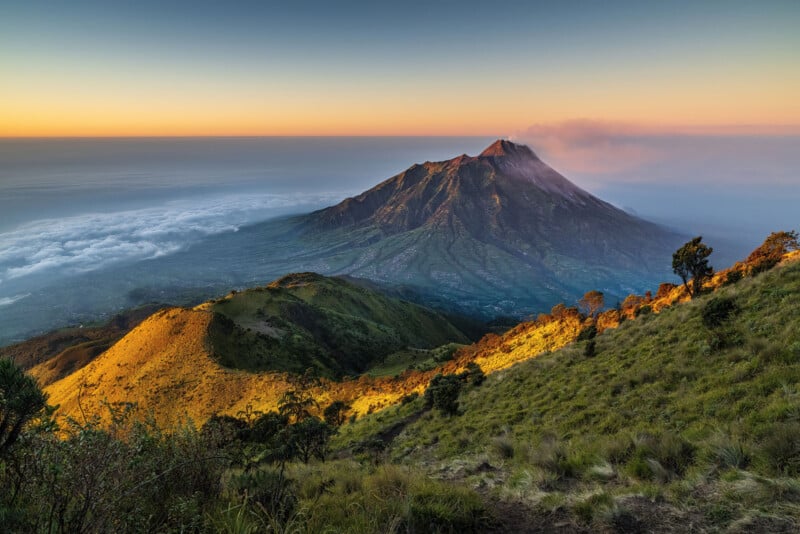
(151, 70)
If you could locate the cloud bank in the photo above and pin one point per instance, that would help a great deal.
(91, 241)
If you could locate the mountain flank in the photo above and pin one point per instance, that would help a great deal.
(497, 233)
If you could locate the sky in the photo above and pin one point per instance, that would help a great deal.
(516, 69)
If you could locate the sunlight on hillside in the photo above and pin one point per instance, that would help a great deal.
(165, 367)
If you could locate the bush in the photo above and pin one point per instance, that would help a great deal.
(473, 375)
(20, 401)
(408, 399)
(717, 311)
(443, 392)
(504, 447)
(732, 277)
(590, 332)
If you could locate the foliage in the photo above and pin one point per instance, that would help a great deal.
(717, 310)
(473, 375)
(442, 393)
(770, 252)
(331, 324)
(714, 437)
(691, 262)
(21, 400)
(589, 332)
(298, 403)
(309, 438)
(335, 413)
(591, 303)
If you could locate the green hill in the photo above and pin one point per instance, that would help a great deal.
(688, 420)
(307, 320)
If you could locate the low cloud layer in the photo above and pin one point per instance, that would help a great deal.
(5, 301)
(92, 241)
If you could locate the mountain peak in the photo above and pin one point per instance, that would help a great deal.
(505, 148)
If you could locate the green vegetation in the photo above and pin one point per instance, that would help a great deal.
(691, 262)
(687, 415)
(665, 417)
(418, 359)
(20, 401)
(772, 250)
(307, 320)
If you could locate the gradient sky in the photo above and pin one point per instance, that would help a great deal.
(393, 68)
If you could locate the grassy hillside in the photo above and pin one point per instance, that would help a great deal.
(676, 422)
(59, 353)
(307, 320)
(231, 355)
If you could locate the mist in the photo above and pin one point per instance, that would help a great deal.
(731, 188)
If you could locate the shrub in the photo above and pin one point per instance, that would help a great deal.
(589, 332)
(717, 311)
(730, 454)
(266, 490)
(660, 456)
(442, 393)
(473, 375)
(408, 399)
(20, 401)
(732, 277)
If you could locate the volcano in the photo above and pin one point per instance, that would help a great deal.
(497, 233)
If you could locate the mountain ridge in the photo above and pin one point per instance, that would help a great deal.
(500, 233)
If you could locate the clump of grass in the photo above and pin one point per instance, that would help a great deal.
(595, 506)
(503, 447)
(660, 457)
(729, 453)
(781, 449)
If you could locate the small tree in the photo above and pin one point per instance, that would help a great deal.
(336, 413)
(770, 252)
(591, 303)
(473, 374)
(442, 393)
(21, 400)
(310, 437)
(691, 262)
(298, 402)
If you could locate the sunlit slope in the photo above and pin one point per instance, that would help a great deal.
(166, 367)
(737, 378)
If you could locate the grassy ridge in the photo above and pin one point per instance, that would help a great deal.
(675, 419)
(307, 320)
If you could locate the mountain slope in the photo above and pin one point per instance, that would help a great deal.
(59, 353)
(681, 417)
(307, 320)
(224, 355)
(501, 233)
